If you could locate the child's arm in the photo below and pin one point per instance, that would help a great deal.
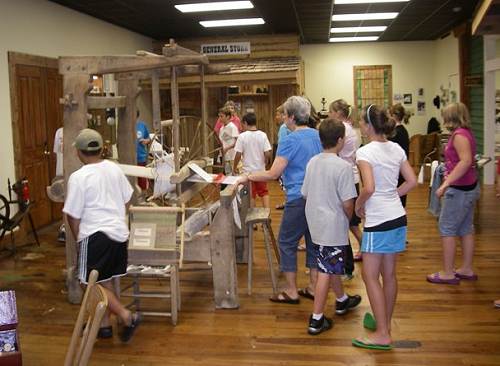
(367, 189)
(74, 225)
(410, 179)
(348, 207)
(237, 159)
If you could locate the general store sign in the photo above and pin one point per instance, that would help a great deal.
(230, 48)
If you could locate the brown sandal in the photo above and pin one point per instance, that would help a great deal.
(283, 298)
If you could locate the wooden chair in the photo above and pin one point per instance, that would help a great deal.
(92, 311)
(153, 242)
(263, 216)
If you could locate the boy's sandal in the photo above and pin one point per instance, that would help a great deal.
(368, 344)
(304, 292)
(280, 207)
(128, 330)
(283, 298)
(436, 278)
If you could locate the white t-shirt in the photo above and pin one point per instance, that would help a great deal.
(252, 145)
(228, 135)
(97, 194)
(348, 152)
(385, 159)
(329, 182)
(58, 150)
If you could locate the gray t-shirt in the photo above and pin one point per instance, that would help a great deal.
(328, 183)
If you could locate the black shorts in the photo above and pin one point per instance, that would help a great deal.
(100, 252)
(355, 220)
(334, 260)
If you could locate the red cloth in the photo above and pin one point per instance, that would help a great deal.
(259, 189)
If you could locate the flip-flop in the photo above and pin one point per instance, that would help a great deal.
(496, 303)
(369, 322)
(358, 257)
(304, 292)
(436, 278)
(284, 299)
(367, 344)
(472, 277)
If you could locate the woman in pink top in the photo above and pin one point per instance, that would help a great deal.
(459, 192)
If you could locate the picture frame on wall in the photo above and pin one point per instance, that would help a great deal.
(407, 98)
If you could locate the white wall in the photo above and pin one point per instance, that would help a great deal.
(428, 64)
(43, 28)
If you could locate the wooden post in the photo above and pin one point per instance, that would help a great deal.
(76, 87)
(155, 91)
(222, 249)
(241, 235)
(174, 90)
(126, 123)
(203, 92)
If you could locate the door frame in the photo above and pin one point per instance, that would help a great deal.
(15, 59)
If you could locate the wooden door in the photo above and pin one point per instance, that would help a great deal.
(37, 90)
(54, 119)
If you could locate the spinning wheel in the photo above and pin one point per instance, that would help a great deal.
(4, 211)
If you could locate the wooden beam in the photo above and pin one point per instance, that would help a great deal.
(155, 92)
(204, 112)
(478, 18)
(189, 192)
(110, 64)
(174, 93)
(75, 119)
(184, 173)
(106, 102)
(184, 70)
(173, 49)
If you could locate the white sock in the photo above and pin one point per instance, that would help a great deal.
(343, 298)
(317, 316)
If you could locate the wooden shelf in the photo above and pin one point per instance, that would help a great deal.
(248, 95)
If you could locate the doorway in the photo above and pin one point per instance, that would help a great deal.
(35, 89)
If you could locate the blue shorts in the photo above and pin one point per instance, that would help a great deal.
(384, 242)
(457, 212)
(332, 260)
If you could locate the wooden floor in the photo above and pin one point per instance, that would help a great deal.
(433, 324)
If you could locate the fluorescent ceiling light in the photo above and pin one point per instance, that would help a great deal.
(378, 28)
(220, 5)
(364, 16)
(231, 22)
(353, 39)
(342, 2)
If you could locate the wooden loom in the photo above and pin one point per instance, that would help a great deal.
(216, 246)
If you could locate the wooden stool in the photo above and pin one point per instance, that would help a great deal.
(256, 216)
(137, 294)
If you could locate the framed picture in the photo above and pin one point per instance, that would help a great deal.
(407, 99)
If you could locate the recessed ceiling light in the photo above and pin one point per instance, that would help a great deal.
(378, 28)
(220, 5)
(353, 39)
(364, 16)
(342, 2)
(231, 22)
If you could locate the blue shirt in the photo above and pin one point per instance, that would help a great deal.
(298, 148)
(141, 149)
(283, 131)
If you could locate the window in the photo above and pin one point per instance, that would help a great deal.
(372, 85)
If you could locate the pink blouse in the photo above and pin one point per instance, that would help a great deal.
(452, 158)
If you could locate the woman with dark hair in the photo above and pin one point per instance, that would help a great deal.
(399, 115)
(433, 126)
(294, 152)
(384, 235)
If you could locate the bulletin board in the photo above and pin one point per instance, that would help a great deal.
(372, 85)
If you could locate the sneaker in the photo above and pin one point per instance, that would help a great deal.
(61, 236)
(342, 307)
(105, 332)
(318, 326)
(128, 330)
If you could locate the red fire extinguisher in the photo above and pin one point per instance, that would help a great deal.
(25, 191)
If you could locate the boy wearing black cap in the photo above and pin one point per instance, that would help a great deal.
(95, 207)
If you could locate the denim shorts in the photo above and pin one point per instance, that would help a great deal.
(293, 227)
(457, 212)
